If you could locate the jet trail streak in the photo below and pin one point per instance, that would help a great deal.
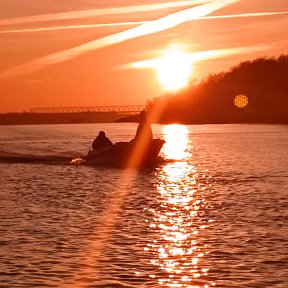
(99, 25)
(159, 25)
(99, 12)
(87, 26)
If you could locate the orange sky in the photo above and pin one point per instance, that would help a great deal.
(84, 53)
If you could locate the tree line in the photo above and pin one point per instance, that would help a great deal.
(262, 83)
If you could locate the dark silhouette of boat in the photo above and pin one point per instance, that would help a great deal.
(125, 154)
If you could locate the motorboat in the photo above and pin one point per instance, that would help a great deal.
(124, 154)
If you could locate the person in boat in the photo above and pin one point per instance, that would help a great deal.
(144, 131)
(101, 142)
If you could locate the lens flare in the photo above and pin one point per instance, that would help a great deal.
(241, 101)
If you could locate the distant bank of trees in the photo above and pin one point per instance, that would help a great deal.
(263, 81)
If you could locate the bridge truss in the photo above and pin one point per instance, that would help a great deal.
(118, 109)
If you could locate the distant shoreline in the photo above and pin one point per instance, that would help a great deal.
(28, 118)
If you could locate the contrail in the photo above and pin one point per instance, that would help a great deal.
(244, 15)
(99, 25)
(151, 27)
(85, 26)
(100, 12)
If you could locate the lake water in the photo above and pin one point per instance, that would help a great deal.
(215, 216)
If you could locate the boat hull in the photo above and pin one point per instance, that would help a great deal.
(126, 154)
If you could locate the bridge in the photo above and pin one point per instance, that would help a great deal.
(129, 109)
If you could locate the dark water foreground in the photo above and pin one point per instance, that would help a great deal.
(216, 216)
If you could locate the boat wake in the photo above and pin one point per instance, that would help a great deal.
(29, 158)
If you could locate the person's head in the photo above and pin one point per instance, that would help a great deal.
(102, 134)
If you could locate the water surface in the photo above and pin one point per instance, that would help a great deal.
(215, 216)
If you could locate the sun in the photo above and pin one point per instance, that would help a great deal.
(174, 69)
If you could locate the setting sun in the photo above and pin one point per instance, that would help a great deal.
(174, 69)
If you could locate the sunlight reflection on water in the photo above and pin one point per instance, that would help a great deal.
(176, 137)
(178, 218)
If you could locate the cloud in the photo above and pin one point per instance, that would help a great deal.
(99, 12)
(199, 56)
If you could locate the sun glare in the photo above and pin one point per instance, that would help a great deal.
(174, 69)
